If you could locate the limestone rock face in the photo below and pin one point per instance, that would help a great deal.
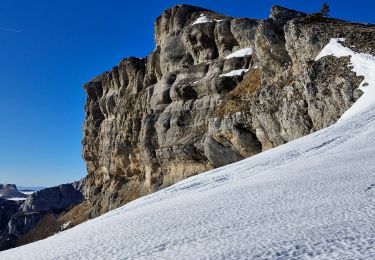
(216, 89)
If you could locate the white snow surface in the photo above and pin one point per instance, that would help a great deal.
(363, 65)
(234, 73)
(313, 197)
(202, 19)
(27, 192)
(240, 53)
(17, 199)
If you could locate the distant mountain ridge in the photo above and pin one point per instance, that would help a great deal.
(22, 210)
(30, 188)
(10, 191)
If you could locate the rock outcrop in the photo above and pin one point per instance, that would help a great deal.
(18, 218)
(51, 200)
(9, 191)
(22, 222)
(7, 209)
(215, 90)
(54, 199)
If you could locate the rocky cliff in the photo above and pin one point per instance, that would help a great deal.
(9, 191)
(7, 209)
(215, 90)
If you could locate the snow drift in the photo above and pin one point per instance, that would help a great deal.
(363, 65)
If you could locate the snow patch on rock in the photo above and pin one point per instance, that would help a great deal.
(234, 73)
(240, 53)
(17, 199)
(65, 225)
(362, 64)
(202, 19)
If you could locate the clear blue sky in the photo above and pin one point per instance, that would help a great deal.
(56, 46)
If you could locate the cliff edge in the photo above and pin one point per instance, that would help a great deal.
(215, 90)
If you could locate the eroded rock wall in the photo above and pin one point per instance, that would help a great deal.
(188, 107)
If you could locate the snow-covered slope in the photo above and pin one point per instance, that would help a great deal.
(313, 197)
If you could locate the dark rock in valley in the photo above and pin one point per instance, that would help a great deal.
(189, 107)
(19, 218)
(22, 222)
(51, 200)
(7, 209)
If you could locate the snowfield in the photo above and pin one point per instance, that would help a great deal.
(311, 198)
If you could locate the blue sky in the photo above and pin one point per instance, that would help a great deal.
(64, 43)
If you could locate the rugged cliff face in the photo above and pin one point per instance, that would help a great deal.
(215, 90)
(7, 209)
